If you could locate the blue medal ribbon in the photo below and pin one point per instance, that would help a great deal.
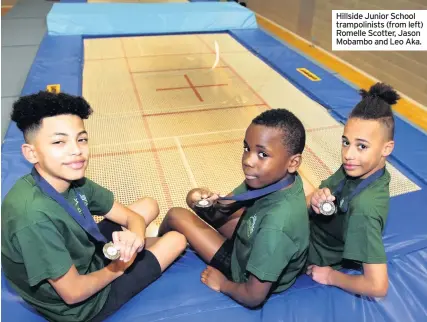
(86, 220)
(253, 194)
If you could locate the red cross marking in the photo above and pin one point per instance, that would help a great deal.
(191, 86)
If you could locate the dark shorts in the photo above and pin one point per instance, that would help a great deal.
(144, 270)
(222, 258)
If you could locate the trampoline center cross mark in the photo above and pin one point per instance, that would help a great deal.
(191, 86)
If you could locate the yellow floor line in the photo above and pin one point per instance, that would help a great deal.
(405, 107)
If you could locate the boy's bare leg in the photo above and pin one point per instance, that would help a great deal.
(230, 225)
(203, 238)
(166, 248)
(146, 207)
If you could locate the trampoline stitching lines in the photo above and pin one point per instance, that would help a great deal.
(186, 164)
(161, 174)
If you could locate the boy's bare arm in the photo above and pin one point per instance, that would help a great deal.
(127, 218)
(250, 294)
(373, 282)
(74, 288)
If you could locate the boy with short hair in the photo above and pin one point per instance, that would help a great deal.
(360, 191)
(257, 246)
(51, 246)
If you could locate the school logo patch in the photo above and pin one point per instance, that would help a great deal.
(251, 225)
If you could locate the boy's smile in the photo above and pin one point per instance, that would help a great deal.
(265, 159)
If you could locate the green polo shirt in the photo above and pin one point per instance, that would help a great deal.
(41, 241)
(272, 238)
(356, 235)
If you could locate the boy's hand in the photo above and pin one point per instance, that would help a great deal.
(320, 274)
(213, 278)
(198, 194)
(128, 243)
(320, 195)
(120, 265)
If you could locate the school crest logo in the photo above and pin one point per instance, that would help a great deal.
(251, 225)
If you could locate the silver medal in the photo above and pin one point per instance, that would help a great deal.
(327, 208)
(203, 203)
(110, 251)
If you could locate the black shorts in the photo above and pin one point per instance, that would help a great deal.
(222, 258)
(144, 270)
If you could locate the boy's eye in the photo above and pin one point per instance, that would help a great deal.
(58, 142)
(362, 146)
(245, 148)
(345, 143)
(263, 155)
(83, 140)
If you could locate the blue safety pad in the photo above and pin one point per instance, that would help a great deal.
(334, 94)
(179, 296)
(95, 19)
(330, 91)
(58, 61)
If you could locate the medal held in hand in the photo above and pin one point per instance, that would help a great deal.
(327, 208)
(110, 251)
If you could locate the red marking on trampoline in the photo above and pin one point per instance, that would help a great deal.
(191, 86)
(174, 69)
(329, 171)
(161, 55)
(160, 171)
(202, 110)
(198, 145)
(235, 73)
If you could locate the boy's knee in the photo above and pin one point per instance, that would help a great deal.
(179, 240)
(176, 213)
(151, 204)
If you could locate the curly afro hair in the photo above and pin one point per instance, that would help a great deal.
(29, 111)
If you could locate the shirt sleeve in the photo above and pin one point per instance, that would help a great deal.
(271, 253)
(43, 252)
(100, 199)
(363, 241)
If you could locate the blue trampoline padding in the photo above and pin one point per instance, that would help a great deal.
(334, 94)
(405, 231)
(331, 92)
(58, 61)
(97, 19)
(410, 149)
(180, 296)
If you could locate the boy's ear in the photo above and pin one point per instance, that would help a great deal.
(29, 153)
(294, 163)
(388, 148)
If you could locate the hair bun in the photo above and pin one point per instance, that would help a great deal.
(382, 91)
